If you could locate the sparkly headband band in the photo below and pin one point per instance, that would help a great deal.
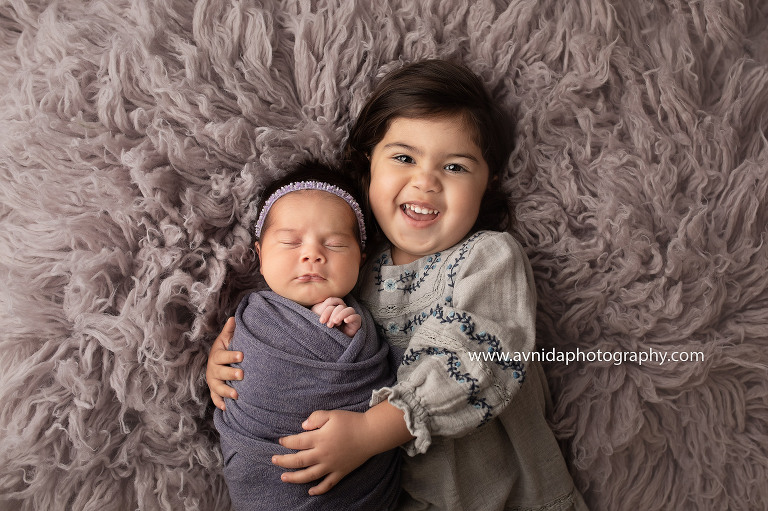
(312, 185)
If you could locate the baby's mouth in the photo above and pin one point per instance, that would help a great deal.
(310, 277)
(419, 213)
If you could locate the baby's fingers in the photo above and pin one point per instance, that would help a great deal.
(326, 315)
(340, 312)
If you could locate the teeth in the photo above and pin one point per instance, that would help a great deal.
(420, 210)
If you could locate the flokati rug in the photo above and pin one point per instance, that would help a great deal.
(134, 136)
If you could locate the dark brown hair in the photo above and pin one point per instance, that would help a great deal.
(434, 88)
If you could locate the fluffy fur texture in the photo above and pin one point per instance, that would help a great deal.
(134, 136)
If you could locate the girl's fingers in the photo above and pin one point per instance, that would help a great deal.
(221, 374)
(297, 442)
(218, 370)
(327, 483)
(225, 357)
(218, 401)
(296, 460)
(303, 476)
(226, 334)
(222, 390)
(315, 420)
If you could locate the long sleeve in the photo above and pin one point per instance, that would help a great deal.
(454, 376)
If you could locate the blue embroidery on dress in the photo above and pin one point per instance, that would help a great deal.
(381, 331)
(467, 327)
(453, 267)
(381, 261)
(453, 363)
(408, 281)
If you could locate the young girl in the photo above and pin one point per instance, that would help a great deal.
(307, 346)
(446, 288)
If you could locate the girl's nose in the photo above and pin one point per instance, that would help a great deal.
(426, 179)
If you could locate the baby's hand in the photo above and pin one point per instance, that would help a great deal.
(334, 312)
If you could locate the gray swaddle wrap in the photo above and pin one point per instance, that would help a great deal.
(293, 365)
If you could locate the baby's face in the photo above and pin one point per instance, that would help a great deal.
(309, 250)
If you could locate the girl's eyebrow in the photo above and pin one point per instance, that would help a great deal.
(417, 152)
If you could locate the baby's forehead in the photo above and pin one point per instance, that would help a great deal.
(298, 203)
(305, 196)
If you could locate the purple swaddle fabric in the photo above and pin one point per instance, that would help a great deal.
(293, 365)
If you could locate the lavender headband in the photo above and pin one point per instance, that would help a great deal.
(312, 185)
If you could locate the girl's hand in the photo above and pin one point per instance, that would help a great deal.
(218, 371)
(334, 444)
(337, 442)
(334, 312)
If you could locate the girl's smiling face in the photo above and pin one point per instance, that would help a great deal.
(428, 177)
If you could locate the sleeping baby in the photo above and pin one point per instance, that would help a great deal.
(308, 346)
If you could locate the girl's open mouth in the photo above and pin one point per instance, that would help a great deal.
(419, 213)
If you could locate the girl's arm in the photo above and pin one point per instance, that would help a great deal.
(218, 370)
(337, 442)
(445, 386)
(459, 371)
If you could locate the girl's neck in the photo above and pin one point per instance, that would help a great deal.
(399, 257)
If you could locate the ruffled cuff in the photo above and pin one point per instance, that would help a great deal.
(416, 416)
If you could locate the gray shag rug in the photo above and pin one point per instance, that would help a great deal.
(135, 134)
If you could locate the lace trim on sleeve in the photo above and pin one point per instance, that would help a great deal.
(416, 416)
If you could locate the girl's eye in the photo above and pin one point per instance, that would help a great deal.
(403, 158)
(290, 243)
(455, 167)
